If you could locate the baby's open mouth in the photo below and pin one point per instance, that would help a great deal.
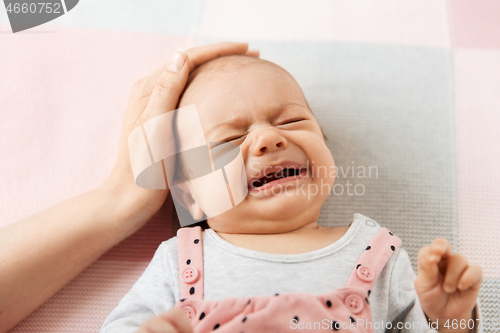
(274, 176)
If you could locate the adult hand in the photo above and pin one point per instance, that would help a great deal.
(43, 252)
(151, 96)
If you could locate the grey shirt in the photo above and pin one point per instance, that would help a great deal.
(233, 271)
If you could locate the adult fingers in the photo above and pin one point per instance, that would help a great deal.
(168, 87)
(201, 54)
(253, 53)
(195, 57)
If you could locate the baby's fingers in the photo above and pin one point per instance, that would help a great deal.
(471, 278)
(429, 258)
(440, 248)
(179, 318)
(456, 266)
(428, 270)
(173, 321)
(157, 325)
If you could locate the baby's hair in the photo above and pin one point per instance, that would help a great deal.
(201, 73)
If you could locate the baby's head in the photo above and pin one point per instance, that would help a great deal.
(259, 106)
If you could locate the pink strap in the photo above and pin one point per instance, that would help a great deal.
(373, 259)
(190, 241)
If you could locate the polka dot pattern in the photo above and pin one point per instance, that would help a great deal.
(189, 239)
(343, 306)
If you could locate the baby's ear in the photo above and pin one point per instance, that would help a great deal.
(182, 193)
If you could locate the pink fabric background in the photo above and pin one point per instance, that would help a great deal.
(387, 21)
(478, 141)
(475, 31)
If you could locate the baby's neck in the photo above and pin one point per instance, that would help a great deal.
(305, 239)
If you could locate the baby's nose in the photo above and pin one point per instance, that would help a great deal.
(268, 140)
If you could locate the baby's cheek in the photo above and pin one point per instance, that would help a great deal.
(210, 193)
(324, 171)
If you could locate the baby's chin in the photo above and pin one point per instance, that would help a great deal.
(283, 207)
(280, 213)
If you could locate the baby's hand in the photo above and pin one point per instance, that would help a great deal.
(446, 284)
(173, 321)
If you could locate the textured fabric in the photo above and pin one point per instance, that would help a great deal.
(409, 87)
(235, 274)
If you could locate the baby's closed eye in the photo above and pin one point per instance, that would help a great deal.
(233, 138)
(283, 123)
(290, 121)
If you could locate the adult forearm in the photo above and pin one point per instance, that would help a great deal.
(42, 253)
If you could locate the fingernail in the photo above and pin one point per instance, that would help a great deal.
(177, 61)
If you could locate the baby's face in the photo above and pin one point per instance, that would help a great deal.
(262, 109)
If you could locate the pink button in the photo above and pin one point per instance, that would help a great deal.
(190, 275)
(354, 303)
(364, 274)
(189, 311)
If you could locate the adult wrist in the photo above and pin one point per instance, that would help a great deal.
(129, 211)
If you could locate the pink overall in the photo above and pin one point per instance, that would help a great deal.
(346, 309)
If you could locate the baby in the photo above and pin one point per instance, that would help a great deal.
(266, 265)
